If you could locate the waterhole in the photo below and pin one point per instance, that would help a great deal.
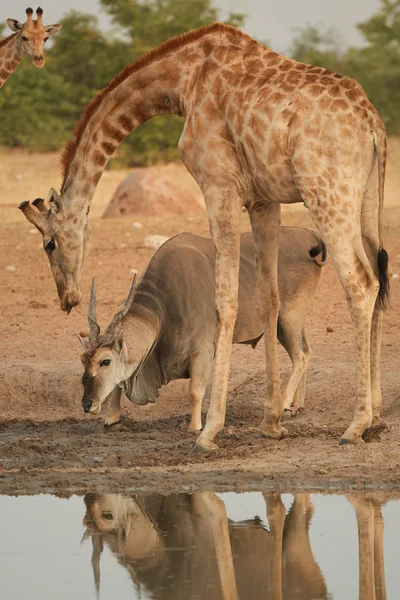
(247, 546)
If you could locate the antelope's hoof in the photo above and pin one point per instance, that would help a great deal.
(373, 432)
(274, 433)
(201, 448)
(108, 426)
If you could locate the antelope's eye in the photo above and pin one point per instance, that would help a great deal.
(105, 362)
(107, 515)
(50, 246)
(24, 38)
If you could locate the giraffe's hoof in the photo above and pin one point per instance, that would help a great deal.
(274, 433)
(348, 442)
(202, 448)
(372, 433)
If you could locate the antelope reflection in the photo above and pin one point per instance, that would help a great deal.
(184, 546)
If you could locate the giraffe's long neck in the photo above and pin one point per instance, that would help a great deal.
(10, 57)
(153, 90)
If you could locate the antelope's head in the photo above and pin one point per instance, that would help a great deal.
(105, 359)
(32, 35)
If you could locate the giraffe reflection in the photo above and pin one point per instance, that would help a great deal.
(184, 546)
(368, 509)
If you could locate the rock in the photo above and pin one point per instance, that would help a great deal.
(154, 241)
(329, 329)
(143, 192)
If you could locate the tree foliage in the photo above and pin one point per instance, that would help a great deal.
(40, 108)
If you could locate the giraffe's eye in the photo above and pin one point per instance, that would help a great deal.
(105, 362)
(50, 246)
(108, 516)
(24, 38)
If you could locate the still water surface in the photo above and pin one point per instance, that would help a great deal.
(201, 546)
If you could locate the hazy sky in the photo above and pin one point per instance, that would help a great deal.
(267, 20)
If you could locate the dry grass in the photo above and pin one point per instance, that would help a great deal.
(25, 176)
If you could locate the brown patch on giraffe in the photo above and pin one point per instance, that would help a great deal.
(96, 178)
(255, 65)
(339, 105)
(335, 91)
(286, 65)
(337, 76)
(311, 78)
(294, 77)
(316, 70)
(247, 80)
(273, 59)
(352, 94)
(266, 76)
(325, 80)
(126, 122)
(108, 147)
(316, 90)
(300, 67)
(98, 158)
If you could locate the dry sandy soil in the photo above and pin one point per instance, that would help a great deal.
(48, 444)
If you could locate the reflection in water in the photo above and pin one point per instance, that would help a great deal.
(184, 547)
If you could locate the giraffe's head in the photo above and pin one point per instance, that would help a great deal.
(32, 35)
(66, 238)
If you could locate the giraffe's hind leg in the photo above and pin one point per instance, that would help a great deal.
(345, 246)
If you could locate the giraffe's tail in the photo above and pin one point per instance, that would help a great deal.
(384, 270)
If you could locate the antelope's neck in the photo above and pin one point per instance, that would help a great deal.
(153, 90)
(10, 57)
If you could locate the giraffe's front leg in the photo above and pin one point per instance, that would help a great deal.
(113, 414)
(224, 214)
(265, 223)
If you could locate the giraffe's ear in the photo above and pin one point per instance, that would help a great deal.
(54, 200)
(52, 30)
(14, 25)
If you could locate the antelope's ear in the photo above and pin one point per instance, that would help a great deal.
(120, 346)
(54, 200)
(53, 30)
(14, 25)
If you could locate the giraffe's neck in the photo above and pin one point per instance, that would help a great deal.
(153, 90)
(10, 57)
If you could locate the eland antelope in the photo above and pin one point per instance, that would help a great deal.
(167, 327)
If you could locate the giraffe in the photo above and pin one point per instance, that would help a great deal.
(260, 130)
(27, 40)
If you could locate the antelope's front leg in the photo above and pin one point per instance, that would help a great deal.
(265, 224)
(224, 214)
(113, 414)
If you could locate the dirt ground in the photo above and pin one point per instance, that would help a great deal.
(47, 444)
